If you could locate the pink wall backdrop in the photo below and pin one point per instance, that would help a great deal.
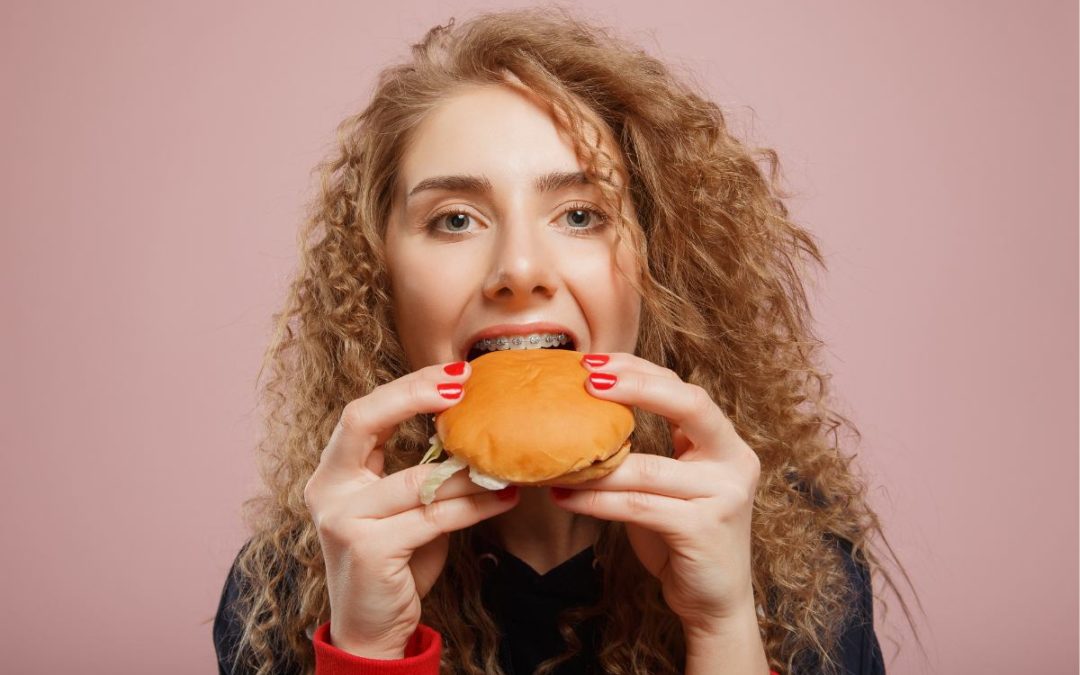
(155, 162)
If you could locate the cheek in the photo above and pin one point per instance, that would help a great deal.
(622, 271)
(627, 299)
(611, 304)
(427, 301)
(433, 279)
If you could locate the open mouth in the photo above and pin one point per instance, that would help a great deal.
(479, 351)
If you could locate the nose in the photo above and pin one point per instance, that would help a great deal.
(522, 268)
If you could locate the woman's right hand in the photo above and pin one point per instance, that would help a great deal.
(383, 549)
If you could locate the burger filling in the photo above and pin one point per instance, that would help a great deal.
(444, 470)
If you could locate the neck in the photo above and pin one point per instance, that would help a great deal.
(540, 533)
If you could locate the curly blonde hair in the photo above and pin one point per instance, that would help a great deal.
(723, 306)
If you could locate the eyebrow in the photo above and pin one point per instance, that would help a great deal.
(548, 182)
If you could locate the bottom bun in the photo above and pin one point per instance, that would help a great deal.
(598, 470)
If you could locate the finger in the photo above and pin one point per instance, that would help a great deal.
(642, 472)
(620, 361)
(687, 406)
(400, 491)
(623, 361)
(416, 527)
(368, 422)
(661, 514)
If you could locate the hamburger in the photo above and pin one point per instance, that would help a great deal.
(525, 418)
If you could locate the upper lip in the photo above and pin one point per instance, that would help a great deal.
(508, 329)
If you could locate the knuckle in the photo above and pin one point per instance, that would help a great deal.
(734, 500)
(414, 480)
(310, 493)
(354, 416)
(700, 400)
(315, 493)
(640, 384)
(591, 500)
(745, 496)
(652, 468)
(637, 503)
(434, 514)
(326, 526)
(420, 390)
(754, 465)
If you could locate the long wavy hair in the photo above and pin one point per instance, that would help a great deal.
(723, 306)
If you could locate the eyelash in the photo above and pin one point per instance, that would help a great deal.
(601, 220)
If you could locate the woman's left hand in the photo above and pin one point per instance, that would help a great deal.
(688, 517)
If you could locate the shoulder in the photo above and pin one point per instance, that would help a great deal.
(858, 573)
(858, 651)
(228, 624)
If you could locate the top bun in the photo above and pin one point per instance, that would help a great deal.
(526, 417)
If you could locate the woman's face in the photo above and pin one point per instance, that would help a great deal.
(503, 248)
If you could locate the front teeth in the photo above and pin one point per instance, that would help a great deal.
(534, 341)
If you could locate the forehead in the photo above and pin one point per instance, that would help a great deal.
(494, 131)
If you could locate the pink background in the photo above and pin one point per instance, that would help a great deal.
(155, 163)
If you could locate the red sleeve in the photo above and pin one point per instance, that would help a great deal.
(421, 656)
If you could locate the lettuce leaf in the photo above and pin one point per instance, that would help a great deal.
(440, 475)
(448, 468)
(484, 480)
(434, 451)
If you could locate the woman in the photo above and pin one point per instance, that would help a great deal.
(528, 171)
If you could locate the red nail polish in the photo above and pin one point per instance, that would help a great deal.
(456, 368)
(603, 380)
(507, 493)
(450, 390)
(561, 493)
(595, 360)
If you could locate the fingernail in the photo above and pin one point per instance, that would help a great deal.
(456, 368)
(603, 380)
(450, 390)
(507, 493)
(561, 493)
(595, 360)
